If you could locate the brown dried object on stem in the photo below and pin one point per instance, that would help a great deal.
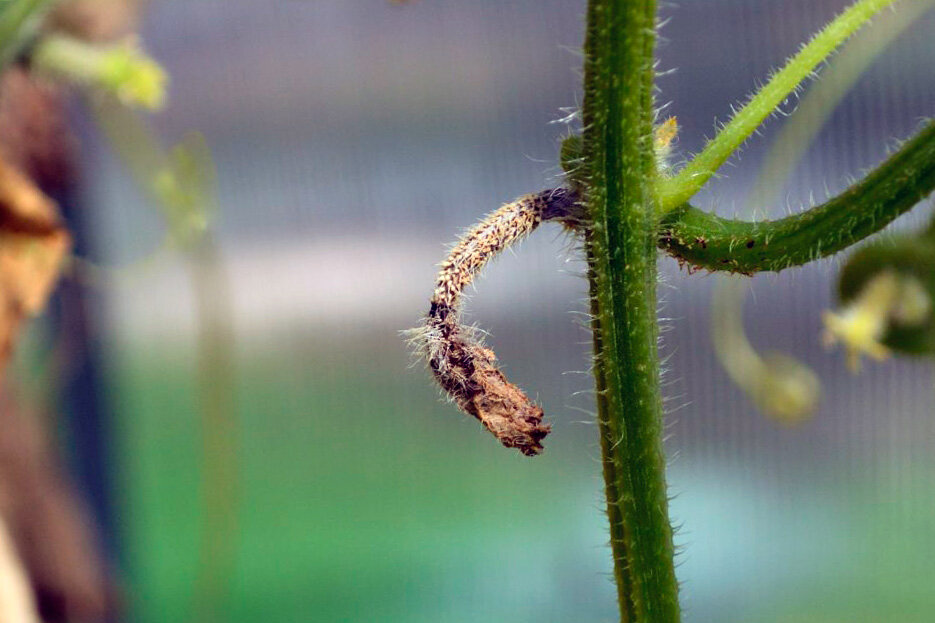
(33, 247)
(464, 368)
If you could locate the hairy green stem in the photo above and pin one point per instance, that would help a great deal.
(822, 98)
(708, 241)
(675, 191)
(610, 469)
(619, 167)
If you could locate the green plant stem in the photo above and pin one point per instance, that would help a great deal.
(708, 241)
(822, 98)
(67, 56)
(614, 511)
(217, 386)
(619, 165)
(675, 191)
(19, 23)
(120, 69)
(184, 212)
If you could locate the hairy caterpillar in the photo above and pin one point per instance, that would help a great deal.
(463, 367)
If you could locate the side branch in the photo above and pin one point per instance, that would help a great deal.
(704, 240)
(674, 191)
(463, 367)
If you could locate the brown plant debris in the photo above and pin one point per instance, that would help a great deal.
(33, 247)
(34, 137)
(50, 528)
(464, 368)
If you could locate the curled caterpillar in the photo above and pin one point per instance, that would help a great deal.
(464, 368)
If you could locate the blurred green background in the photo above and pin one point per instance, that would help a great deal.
(353, 140)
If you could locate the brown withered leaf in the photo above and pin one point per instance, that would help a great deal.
(33, 248)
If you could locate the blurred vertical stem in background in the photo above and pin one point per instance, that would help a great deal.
(620, 173)
(182, 184)
(219, 430)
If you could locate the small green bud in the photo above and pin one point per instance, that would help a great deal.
(123, 70)
(136, 78)
(185, 188)
(572, 151)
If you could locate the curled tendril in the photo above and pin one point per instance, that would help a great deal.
(463, 367)
(782, 387)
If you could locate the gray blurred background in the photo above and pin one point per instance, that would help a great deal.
(354, 139)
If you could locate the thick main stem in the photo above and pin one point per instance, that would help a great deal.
(620, 175)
